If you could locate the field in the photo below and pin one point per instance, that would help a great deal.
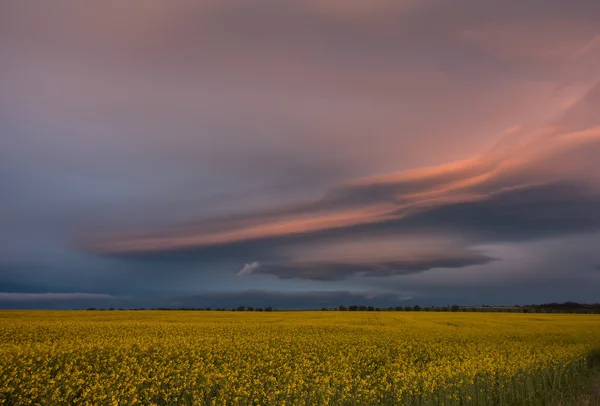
(293, 358)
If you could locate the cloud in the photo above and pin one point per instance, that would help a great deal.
(45, 297)
(196, 137)
(547, 171)
(540, 185)
(249, 268)
(582, 115)
(332, 270)
(373, 256)
(529, 186)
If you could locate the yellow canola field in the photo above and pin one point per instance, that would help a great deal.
(289, 358)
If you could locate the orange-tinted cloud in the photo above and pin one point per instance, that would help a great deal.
(542, 159)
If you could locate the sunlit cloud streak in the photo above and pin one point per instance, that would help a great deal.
(530, 185)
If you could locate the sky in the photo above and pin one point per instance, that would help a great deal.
(299, 154)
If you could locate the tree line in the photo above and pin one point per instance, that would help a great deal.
(217, 309)
(566, 307)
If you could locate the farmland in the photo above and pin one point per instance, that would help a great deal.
(292, 358)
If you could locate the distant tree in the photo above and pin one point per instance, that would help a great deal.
(417, 308)
(398, 308)
(408, 308)
(323, 309)
(241, 308)
(260, 309)
(342, 308)
(250, 308)
(362, 308)
(455, 308)
(353, 308)
(370, 308)
(91, 308)
(377, 309)
(268, 309)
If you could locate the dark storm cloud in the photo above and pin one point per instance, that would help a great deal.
(515, 215)
(534, 189)
(9, 300)
(225, 299)
(43, 297)
(523, 214)
(331, 271)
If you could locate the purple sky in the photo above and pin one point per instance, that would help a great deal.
(299, 153)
